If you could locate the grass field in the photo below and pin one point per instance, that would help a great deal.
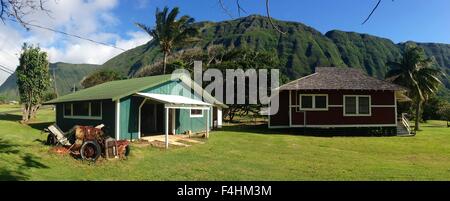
(235, 153)
(7, 107)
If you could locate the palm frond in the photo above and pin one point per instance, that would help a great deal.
(144, 27)
(171, 17)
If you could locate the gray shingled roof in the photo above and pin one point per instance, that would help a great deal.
(340, 78)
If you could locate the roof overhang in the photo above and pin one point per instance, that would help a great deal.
(174, 100)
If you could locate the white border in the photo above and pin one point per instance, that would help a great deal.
(290, 108)
(313, 96)
(195, 115)
(357, 106)
(395, 102)
(118, 119)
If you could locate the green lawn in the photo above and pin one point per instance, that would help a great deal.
(236, 153)
(7, 107)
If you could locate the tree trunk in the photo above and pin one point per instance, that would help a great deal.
(33, 112)
(164, 62)
(26, 113)
(417, 126)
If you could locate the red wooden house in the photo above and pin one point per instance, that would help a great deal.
(339, 98)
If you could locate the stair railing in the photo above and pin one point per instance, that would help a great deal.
(405, 122)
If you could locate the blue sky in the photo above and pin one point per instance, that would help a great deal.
(112, 21)
(399, 20)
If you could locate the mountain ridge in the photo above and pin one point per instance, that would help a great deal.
(67, 76)
(300, 50)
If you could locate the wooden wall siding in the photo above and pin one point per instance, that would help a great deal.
(336, 97)
(282, 117)
(108, 118)
(334, 115)
(129, 111)
(297, 117)
(184, 122)
(129, 117)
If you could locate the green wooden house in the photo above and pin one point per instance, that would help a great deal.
(134, 108)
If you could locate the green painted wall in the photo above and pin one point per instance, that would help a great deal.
(108, 118)
(129, 111)
(184, 122)
(129, 116)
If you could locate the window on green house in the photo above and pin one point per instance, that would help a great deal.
(67, 109)
(83, 110)
(196, 113)
(96, 109)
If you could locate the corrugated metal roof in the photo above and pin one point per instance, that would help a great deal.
(114, 89)
(173, 99)
(336, 78)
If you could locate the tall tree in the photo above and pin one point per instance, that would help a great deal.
(169, 31)
(33, 79)
(244, 59)
(414, 71)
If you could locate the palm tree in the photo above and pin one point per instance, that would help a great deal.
(169, 31)
(415, 73)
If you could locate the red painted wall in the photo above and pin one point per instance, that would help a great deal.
(334, 115)
(282, 117)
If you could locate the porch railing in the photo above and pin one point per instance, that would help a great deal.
(405, 122)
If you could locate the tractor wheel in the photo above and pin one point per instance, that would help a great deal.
(90, 150)
(51, 139)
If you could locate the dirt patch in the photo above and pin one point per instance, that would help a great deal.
(141, 143)
(59, 150)
(162, 145)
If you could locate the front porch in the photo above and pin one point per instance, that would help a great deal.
(160, 113)
(176, 140)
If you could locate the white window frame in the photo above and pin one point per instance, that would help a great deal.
(357, 114)
(71, 116)
(195, 115)
(313, 102)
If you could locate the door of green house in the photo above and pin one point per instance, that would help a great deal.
(152, 119)
(172, 116)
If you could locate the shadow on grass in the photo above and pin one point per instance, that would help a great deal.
(25, 162)
(10, 117)
(40, 125)
(6, 147)
(18, 118)
(334, 132)
(30, 161)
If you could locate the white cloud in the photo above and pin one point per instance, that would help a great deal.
(142, 4)
(136, 38)
(9, 49)
(90, 19)
(87, 52)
